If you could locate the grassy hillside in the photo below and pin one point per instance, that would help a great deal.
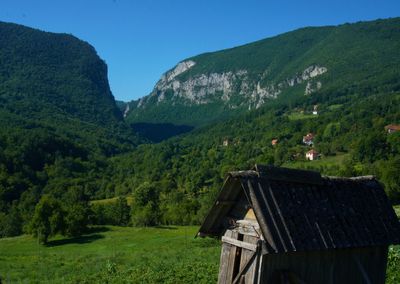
(113, 255)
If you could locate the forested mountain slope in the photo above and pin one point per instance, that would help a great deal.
(179, 178)
(58, 121)
(309, 61)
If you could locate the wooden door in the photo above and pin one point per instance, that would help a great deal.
(240, 259)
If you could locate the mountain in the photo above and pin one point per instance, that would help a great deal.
(59, 83)
(58, 121)
(305, 62)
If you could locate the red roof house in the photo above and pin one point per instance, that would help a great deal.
(312, 155)
(308, 139)
(392, 128)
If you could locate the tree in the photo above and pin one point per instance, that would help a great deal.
(47, 219)
(77, 211)
(391, 178)
(145, 205)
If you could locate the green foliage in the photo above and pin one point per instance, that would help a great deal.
(190, 168)
(11, 223)
(393, 273)
(145, 205)
(47, 219)
(77, 211)
(59, 124)
(112, 213)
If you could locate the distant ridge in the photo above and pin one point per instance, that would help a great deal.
(311, 61)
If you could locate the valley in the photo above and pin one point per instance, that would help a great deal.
(89, 186)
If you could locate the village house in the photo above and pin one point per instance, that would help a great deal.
(312, 155)
(293, 226)
(308, 139)
(315, 110)
(226, 142)
(392, 128)
(274, 142)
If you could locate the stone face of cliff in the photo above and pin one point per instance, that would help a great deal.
(203, 89)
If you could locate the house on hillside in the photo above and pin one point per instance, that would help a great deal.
(309, 139)
(392, 128)
(226, 142)
(312, 155)
(315, 110)
(293, 226)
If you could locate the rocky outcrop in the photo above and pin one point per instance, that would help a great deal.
(312, 87)
(206, 88)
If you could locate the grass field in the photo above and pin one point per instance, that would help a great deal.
(300, 116)
(113, 255)
(326, 165)
(110, 200)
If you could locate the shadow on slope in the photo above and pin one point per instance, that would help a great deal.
(157, 132)
(78, 240)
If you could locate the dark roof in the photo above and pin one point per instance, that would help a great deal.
(299, 210)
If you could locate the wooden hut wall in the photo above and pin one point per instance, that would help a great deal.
(343, 266)
(240, 259)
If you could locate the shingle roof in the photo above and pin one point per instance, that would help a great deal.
(300, 210)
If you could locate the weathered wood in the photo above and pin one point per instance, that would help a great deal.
(245, 268)
(249, 231)
(240, 244)
(223, 266)
(231, 258)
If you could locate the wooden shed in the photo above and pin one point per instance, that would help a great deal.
(292, 226)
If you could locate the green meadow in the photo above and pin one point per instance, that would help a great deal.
(113, 255)
(124, 255)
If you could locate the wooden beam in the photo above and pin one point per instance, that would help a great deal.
(245, 268)
(240, 244)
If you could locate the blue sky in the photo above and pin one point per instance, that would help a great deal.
(141, 39)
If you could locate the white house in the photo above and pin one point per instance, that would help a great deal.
(312, 155)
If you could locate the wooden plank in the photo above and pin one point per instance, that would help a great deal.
(231, 257)
(248, 231)
(251, 273)
(240, 244)
(223, 266)
(244, 268)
